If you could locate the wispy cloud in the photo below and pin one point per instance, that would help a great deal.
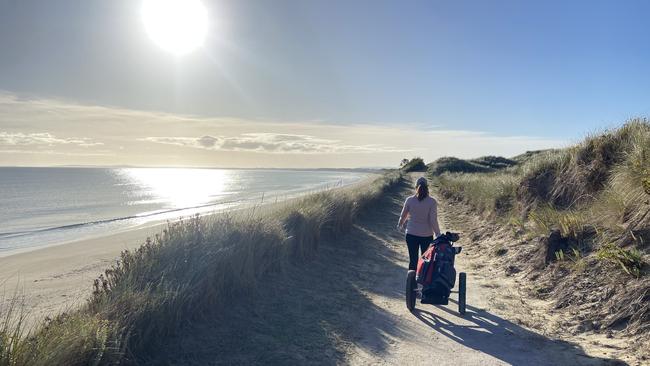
(274, 143)
(38, 131)
(55, 152)
(42, 138)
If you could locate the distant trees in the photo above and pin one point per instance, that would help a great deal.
(414, 165)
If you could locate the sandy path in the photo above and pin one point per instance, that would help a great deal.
(439, 335)
(346, 306)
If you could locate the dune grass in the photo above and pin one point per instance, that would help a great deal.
(415, 164)
(597, 195)
(483, 164)
(601, 181)
(488, 193)
(11, 331)
(189, 272)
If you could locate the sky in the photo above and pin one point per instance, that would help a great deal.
(316, 83)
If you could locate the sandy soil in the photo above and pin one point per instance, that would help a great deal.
(494, 330)
(347, 307)
(53, 279)
(505, 290)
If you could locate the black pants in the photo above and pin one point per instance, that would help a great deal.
(414, 243)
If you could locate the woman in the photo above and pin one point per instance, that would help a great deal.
(422, 213)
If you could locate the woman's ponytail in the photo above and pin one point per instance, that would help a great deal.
(422, 191)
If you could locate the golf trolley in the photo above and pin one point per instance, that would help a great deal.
(436, 276)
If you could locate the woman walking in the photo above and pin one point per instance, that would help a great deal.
(421, 210)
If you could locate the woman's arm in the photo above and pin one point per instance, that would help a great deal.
(404, 214)
(434, 218)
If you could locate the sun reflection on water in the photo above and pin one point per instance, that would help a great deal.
(179, 187)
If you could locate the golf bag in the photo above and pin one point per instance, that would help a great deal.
(435, 270)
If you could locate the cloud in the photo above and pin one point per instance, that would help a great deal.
(274, 143)
(39, 131)
(54, 152)
(42, 138)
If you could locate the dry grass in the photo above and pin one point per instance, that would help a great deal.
(483, 164)
(11, 332)
(488, 193)
(597, 194)
(601, 182)
(193, 269)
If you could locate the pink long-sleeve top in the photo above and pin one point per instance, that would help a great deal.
(423, 216)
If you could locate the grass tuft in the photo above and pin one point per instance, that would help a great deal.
(629, 260)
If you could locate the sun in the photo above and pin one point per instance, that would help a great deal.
(177, 26)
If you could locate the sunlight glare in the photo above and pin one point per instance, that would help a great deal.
(177, 26)
(181, 188)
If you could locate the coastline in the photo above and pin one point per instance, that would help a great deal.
(49, 280)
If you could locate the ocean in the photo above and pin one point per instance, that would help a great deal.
(48, 206)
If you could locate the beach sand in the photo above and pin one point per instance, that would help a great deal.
(53, 279)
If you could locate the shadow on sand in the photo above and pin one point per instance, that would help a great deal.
(502, 339)
(307, 313)
(312, 313)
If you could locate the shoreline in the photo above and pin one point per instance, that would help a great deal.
(157, 217)
(52, 279)
(49, 280)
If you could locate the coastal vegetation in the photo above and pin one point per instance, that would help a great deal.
(189, 272)
(580, 216)
(573, 222)
(413, 165)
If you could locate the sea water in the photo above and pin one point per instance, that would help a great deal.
(47, 206)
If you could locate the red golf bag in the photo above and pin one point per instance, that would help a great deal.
(435, 271)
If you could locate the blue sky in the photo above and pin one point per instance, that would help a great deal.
(548, 70)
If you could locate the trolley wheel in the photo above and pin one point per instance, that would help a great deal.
(462, 292)
(411, 286)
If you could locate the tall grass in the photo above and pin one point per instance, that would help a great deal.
(482, 164)
(11, 331)
(577, 174)
(571, 223)
(488, 193)
(597, 195)
(600, 183)
(192, 270)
